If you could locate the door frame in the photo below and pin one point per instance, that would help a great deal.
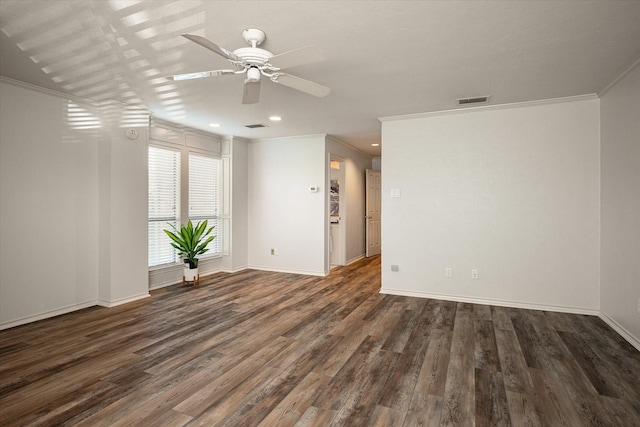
(342, 232)
(376, 217)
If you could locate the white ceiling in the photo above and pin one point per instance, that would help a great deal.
(385, 58)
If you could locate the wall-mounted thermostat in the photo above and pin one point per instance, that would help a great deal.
(314, 189)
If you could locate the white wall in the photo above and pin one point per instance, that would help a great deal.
(123, 216)
(283, 213)
(353, 192)
(48, 207)
(512, 192)
(73, 207)
(239, 211)
(620, 170)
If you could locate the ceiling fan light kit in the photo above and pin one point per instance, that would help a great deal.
(256, 62)
(253, 75)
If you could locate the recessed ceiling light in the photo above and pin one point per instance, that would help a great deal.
(375, 145)
(275, 118)
(214, 125)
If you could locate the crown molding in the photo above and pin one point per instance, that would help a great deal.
(73, 98)
(619, 77)
(490, 107)
(350, 147)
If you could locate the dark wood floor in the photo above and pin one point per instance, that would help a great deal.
(272, 349)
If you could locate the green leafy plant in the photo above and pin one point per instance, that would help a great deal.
(190, 241)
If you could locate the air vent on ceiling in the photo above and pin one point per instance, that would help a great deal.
(256, 126)
(474, 100)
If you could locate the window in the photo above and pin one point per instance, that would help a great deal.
(164, 203)
(201, 199)
(204, 194)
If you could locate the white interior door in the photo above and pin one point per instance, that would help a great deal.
(373, 216)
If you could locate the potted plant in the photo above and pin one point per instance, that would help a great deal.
(191, 241)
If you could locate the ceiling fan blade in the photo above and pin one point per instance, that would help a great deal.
(303, 85)
(304, 55)
(251, 94)
(205, 42)
(201, 74)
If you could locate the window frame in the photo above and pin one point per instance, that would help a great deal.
(218, 216)
(183, 191)
(176, 149)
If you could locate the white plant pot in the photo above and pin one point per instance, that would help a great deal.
(190, 274)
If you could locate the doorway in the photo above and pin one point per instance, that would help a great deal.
(337, 196)
(373, 217)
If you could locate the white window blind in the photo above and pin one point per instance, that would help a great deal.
(164, 202)
(204, 195)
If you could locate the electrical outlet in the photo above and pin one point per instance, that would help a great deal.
(448, 272)
(474, 273)
(394, 267)
(274, 251)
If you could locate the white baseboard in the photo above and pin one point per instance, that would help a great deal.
(46, 315)
(356, 259)
(122, 300)
(234, 270)
(634, 341)
(162, 285)
(283, 270)
(499, 303)
(349, 262)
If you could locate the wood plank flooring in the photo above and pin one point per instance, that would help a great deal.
(270, 349)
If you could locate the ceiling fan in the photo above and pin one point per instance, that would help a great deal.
(256, 62)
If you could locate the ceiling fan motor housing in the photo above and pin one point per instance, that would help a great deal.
(253, 55)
